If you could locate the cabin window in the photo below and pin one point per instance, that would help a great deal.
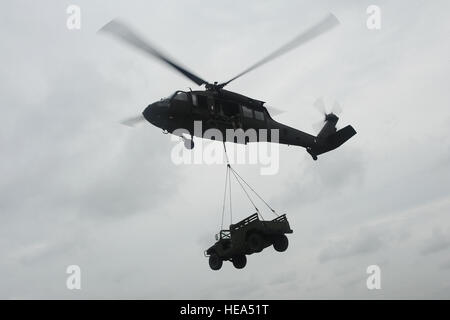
(202, 101)
(230, 109)
(259, 115)
(247, 112)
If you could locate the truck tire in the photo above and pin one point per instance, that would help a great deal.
(215, 262)
(255, 242)
(239, 261)
(280, 243)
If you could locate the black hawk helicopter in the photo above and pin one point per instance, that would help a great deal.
(221, 109)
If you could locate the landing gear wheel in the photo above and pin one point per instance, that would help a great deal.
(189, 144)
(240, 261)
(215, 262)
(313, 155)
(281, 243)
(255, 242)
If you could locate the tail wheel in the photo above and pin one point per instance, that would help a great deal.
(255, 242)
(281, 243)
(240, 261)
(215, 262)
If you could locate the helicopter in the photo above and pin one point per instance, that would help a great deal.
(217, 108)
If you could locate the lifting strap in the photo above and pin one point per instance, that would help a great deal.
(256, 193)
(238, 178)
(227, 184)
(224, 198)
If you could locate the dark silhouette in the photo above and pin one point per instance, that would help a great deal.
(246, 237)
(218, 108)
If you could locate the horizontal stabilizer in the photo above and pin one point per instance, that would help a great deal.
(331, 141)
(341, 136)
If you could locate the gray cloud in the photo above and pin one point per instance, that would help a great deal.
(445, 265)
(439, 241)
(364, 243)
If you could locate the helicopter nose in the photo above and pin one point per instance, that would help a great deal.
(156, 113)
(148, 113)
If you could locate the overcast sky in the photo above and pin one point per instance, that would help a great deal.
(77, 187)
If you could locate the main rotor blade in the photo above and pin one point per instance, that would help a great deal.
(126, 34)
(323, 26)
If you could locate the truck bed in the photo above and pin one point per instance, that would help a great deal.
(279, 224)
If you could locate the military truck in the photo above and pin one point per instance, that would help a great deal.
(246, 237)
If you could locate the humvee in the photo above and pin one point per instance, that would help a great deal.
(246, 237)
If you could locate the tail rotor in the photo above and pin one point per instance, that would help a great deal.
(321, 107)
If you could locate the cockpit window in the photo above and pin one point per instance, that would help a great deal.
(180, 95)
